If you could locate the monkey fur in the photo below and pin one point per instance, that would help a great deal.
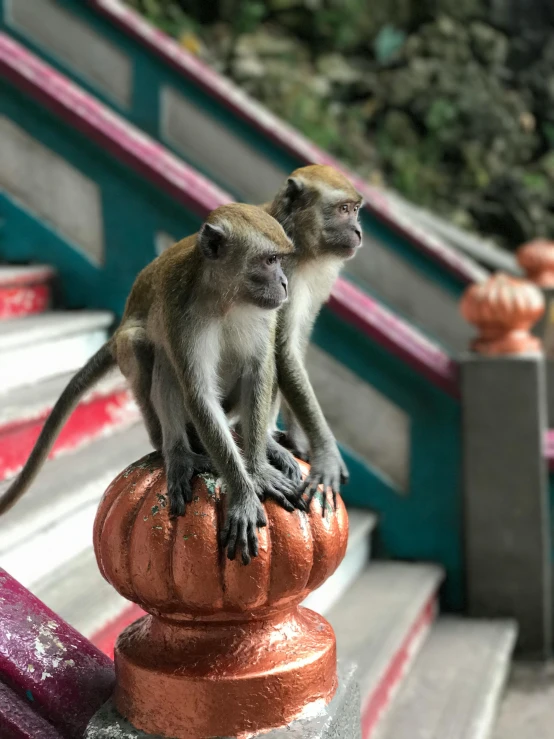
(318, 207)
(197, 340)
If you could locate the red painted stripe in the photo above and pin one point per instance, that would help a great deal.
(395, 335)
(105, 638)
(109, 130)
(381, 697)
(89, 420)
(288, 138)
(26, 300)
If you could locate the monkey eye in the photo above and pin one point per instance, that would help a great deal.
(356, 208)
(344, 207)
(273, 259)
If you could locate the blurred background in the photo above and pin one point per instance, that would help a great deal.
(451, 102)
(122, 125)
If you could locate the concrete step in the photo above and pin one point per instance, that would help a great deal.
(24, 291)
(381, 623)
(52, 523)
(43, 346)
(454, 687)
(107, 407)
(361, 526)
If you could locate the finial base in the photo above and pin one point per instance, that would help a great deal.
(193, 680)
(338, 720)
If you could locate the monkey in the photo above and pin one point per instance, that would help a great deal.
(200, 322)
(318, 208)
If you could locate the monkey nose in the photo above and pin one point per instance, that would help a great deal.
(358, 233)
(285, 285)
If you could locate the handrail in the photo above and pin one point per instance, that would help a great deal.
(112, 132)
(182, 182)
(377, 202)
(395, 335)
(61, 674)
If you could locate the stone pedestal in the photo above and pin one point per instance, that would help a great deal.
(340, 719)
(226, 649)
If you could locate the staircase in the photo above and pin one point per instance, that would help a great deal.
(420, 677)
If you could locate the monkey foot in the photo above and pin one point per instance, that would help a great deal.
(244, 517)
(180, 472)
(284, 461)
(282, 438)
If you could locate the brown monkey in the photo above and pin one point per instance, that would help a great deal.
(318, 207)
(200, 321)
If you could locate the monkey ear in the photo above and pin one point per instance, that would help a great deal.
(295, 188)
(211, 240)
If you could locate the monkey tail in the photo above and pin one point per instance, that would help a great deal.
(85, 378)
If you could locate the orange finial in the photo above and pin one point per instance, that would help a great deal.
(226, 650)
(537, 260)
(503, 309)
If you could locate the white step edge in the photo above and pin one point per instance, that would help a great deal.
(14, 275)
(37, 347)
(53, 521)
(454, 687)
(33, 401)
(380, 615)
(361, 525)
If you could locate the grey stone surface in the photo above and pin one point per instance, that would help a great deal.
(527, 711)
(75, 43)
(373, 619)
(409, 292)
(52, 188)
(339, 720)
(348, 402)
(455, 684)
(507, 515)
(209, 144)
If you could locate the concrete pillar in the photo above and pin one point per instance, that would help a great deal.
(506, 501)
(506, 504)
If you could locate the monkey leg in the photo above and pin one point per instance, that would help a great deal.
(135, 356)
(293, 438)
(181, 462)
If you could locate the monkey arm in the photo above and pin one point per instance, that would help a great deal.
(294, 383)
(327, 466)
(257, 391)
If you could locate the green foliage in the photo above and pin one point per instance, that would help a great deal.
(428, 95)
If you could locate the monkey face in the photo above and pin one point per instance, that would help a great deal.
(319, 208)
(342, 232)
(266, 284)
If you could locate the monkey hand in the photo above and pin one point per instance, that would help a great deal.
(271, 484)
(297, 446)
(283, 460)
(327, 469)
(244, 515)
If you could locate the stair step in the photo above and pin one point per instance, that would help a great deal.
(24, 291)
(381, 623)
(52, 523)
(455, 684)
(78, 593)
(361, 525)
(38, 347)
(107, 407)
